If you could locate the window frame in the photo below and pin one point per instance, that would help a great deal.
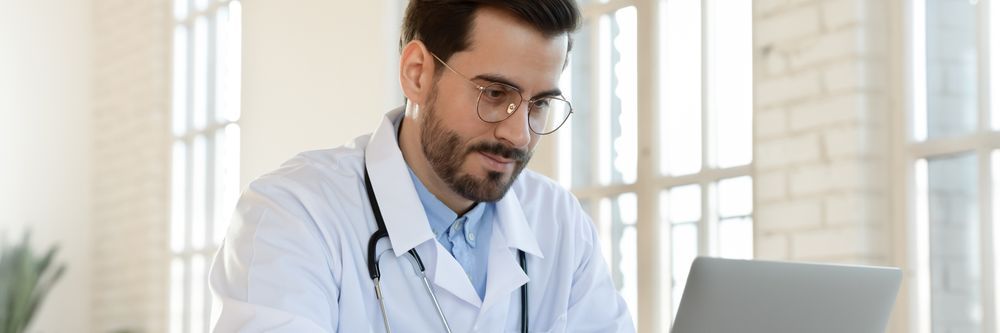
(912, 149)
(209, 132)
(653, 242)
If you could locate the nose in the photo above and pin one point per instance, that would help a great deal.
(515, 130)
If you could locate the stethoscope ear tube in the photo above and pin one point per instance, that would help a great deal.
(373, 271)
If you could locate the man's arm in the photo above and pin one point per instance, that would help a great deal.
(594, 303)
(273, 272)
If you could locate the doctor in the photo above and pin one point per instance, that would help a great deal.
(431, 223)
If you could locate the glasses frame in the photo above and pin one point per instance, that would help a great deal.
(482, 89)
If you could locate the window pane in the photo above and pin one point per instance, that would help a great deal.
(199, 187)
(681, 93)
(180, 81)
(220, 52)
(995, 63)
(176, 296)
(730, 81)
(735, 197)
(956, 275)
(951, 67)
(227, 62)
(227, 179)
(995, 174)
(736, 238)
(200, 80)
(580, 172)
(180, 9)
(624, 100)
(618, 243)
(684, 204)
(178, 196)
(624, 211)
(735, 226)
(233, 62)
(201, 4)
(601, 134)
(684, 248)
(618, 107)
(198, 291)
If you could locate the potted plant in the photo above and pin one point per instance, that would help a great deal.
(25, 279)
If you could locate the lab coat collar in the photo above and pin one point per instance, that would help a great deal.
(404, 216)
(514, 226)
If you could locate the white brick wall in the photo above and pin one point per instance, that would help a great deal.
(819, 103)
(132, 158)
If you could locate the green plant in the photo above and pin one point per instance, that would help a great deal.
(25, 280)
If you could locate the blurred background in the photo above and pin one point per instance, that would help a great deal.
(841, 131)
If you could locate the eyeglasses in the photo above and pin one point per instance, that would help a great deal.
(498, 101)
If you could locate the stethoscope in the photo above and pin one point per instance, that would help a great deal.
(418, 267)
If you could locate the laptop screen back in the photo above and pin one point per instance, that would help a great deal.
(724, 295)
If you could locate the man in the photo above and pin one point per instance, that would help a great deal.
(481, 82)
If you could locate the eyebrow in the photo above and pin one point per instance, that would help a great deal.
(500, 79)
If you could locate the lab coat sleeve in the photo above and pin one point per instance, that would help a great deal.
(594, 303)
(273, 273)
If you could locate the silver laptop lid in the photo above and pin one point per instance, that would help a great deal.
(746, 296)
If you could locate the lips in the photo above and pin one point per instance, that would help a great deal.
(496, 162)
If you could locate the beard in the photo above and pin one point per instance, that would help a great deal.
(446, 154)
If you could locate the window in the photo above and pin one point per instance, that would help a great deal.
(206, 150)
(659, 148)
(951, 150)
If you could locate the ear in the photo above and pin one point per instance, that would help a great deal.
(416, 71)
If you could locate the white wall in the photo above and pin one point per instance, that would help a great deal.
(45, 143)
(315, 74)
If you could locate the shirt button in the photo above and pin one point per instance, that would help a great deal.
(472, 236)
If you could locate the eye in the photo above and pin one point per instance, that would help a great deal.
(497, 94)
(494, 93)
(541, 104)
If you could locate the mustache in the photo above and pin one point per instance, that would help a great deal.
(501, 150)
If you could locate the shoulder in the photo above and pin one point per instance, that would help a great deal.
(314, 173)
(313, 192)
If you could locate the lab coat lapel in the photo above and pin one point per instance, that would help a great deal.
(450, 276)
(511, 232)
(404, 217)
(504, 274)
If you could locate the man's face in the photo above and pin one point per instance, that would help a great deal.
(480, 160)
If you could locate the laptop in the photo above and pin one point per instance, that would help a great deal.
(749, 296)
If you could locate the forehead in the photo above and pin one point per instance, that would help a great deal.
(505, 45)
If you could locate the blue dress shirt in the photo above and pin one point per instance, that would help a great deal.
(466, 237)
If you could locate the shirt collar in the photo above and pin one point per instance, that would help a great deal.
(441, 217)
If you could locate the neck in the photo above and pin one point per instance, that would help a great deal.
(413, 154)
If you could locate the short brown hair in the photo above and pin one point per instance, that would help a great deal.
(443, 25)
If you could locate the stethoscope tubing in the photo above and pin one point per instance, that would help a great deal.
(376, 275)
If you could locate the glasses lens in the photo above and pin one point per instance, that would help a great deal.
(548, 114)
(497, 102)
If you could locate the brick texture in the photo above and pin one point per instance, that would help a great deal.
(819, 103)
(132, 154)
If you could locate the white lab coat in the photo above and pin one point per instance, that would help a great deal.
(294, 258)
